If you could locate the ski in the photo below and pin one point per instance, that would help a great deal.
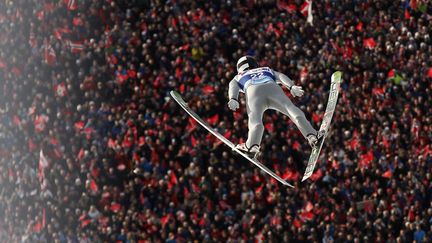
(177, 97)
(325, 124)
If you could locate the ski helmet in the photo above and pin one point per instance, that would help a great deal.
(246, 63)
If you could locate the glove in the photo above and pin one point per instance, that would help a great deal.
(233, 104)
(297, 91)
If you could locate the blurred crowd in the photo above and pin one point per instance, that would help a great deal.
(92, 149)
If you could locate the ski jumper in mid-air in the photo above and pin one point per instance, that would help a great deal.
(262, 90)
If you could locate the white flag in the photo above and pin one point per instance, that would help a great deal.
(43, 163)
(310, 17)
(306, 10)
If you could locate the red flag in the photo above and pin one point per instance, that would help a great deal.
(297, 223)
(178, 73)
(391, 73)
(131, 73)
(303, 73)
(429, 72)
(296, 145)
(141, 141)
(388, 174)
(173, 178)
(359, 26)
(259, 238)
(259, 189)
(208, 89)
(378, 91)
(182, 88)
(191, 125)
(77, 21)
(88, 132)
(407, 14)
(227, 134)
(85, 222)
(115, 207)
(197, 79)
(71, 5)
(79, 125)
(122, 77)
(112, 59)
(40, 122)
(111, 143)
(290, 8)
(213, 120)
(202, 222)
(269, 126)
(275, 220)
(365, 159)
(57, 34)
(306, 216)
(37, 227)
(60, 89)
(193, 141)
(184, 47)
(80, 154)
(315, 176)
(49, 54)
(270, 28)
(93, 186)
(238, 115)
(316, 118)
(369, 43)
(76, 46)
(164, 220)
(40, 15)
(304, 8)
(290, 175)
(308, 207)
(354, 143)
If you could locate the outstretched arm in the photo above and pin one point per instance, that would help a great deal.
(282, 78)
(233, 90)
(285, 80)
(233, 93)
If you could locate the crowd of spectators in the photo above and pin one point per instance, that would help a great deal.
(92, 149)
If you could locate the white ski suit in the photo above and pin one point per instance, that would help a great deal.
(263, 92)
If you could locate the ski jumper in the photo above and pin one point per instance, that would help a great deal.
(262, 92)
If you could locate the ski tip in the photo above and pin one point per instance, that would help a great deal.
(337, 76)
(289, 185)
